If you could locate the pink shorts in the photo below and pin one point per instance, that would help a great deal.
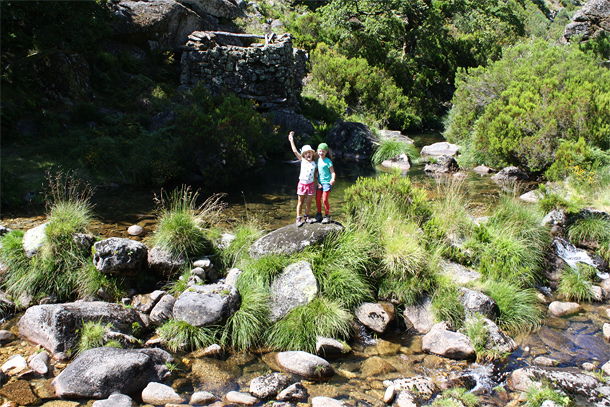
(306, 189)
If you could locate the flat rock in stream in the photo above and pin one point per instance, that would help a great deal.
(306, 365)
(100, 372)
(292, 239)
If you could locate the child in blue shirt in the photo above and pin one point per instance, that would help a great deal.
(326, 179)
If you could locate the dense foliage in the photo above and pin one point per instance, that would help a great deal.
(543, 107)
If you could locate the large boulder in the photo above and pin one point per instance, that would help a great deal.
(591, 20)
(440, 149)
(164, 263)
(352, 141)
(291, 239)
(56, 326)
(119, 255)
(229, 9)
(211, 304)
(442, 342)
(62, 76)
(156, 23)
(295, 286)
(442, 164)
(508, 174)
(100, 372)
(288, 120)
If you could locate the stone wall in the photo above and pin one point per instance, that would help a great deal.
(270, 73)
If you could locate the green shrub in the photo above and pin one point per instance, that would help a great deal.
(183, 225)
(520, 309)
(576, 284)
(351, 82)
(299, 329)
(517, 110)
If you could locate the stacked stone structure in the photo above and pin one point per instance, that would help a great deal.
(270, 73)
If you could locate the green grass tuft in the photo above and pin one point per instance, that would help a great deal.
(182, 336)
(389, 148)
(184, 226)
(520, 309)
(537, 395)
(299, 329)
(92, 335)
(591, 228)
(576, 284)
(446, 304)
(456, 397)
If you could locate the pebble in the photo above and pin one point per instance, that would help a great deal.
(202, 398)
(160, 394)
(135, 230)
(241, 398)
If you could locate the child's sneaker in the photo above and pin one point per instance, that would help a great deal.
(309, 220)
(306, 219)
(318, 217)
(326, 219)
(300, 221)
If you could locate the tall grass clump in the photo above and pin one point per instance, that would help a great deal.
(245, 328)
(577, 284)
(520, 309)
(182, 336)
(62, 266)
(515, 244)
(388, 148)
(184, 227)
(446, 304)
(299, 329)
(593, 227)
(371, 195)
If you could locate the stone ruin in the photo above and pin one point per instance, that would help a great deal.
(270, 73)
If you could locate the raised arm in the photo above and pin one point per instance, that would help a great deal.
(294, 148)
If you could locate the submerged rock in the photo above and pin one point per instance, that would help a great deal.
(268, 386)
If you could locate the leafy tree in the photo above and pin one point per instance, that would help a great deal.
(517, 110)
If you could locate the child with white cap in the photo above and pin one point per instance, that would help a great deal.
(306, 188)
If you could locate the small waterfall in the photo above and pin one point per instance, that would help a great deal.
(572, 255)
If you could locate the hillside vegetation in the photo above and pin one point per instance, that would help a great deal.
(513, 93)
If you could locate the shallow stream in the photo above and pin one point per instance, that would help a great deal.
(268, 195)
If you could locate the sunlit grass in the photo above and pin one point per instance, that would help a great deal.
(184, 226)
(389, 148)
(299, 329)
(520, 309)
(576, 284)
(182, 336)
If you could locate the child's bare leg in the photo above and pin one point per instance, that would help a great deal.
(300, 202)
(308, 204)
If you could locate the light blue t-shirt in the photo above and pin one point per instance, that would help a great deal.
(324, 175)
